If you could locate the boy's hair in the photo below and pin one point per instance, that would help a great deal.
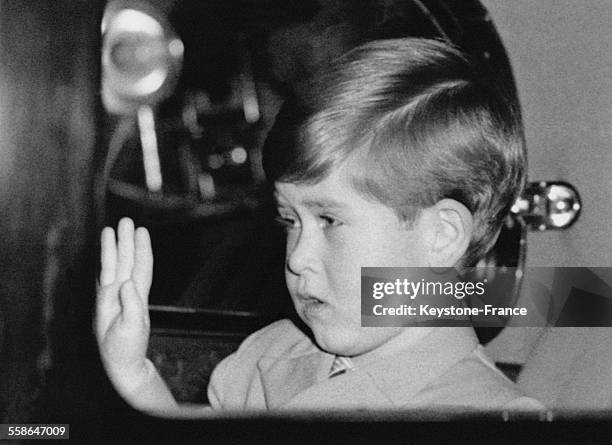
(421, 123)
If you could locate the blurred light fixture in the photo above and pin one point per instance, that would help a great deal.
(141, 62)
(141, 57)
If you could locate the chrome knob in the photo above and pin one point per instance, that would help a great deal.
(546, 205)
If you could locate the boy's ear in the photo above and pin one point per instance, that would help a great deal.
(453, 226)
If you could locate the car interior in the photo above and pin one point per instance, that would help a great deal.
(167, 113)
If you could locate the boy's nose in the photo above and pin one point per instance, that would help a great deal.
(302, 253)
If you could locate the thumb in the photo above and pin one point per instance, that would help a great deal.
(131, 304)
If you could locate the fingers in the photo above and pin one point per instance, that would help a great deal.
(108, 256)
(143, 264)
(125, 280)
(125, 250)
(107, 303)
(129, 257)
(132, 307)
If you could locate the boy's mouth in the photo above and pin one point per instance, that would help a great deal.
(311, 307)
(309, 299)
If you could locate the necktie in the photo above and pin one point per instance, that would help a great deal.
(340, 366)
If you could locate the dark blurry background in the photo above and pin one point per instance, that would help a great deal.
(55, 137)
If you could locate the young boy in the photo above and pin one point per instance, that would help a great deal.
(397, 155)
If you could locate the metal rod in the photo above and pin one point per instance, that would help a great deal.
(150, 154)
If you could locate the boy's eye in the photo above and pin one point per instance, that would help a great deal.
(286, 222)
(329, 221)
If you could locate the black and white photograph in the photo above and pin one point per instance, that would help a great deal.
(305, 221)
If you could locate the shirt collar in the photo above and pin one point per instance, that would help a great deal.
(422, 362)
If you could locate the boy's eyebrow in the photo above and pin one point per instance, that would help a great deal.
(324, 203)
(317, 203)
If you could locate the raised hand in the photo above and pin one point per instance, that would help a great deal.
(122, 322)
(122, 319)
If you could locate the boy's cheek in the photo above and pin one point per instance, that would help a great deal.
(290, 281)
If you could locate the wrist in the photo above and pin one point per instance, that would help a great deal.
(128, 380)
(143, 388)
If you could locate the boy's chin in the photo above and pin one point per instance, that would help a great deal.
(337, 341)
(352, 342)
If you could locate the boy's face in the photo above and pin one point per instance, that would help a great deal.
(332, 232)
